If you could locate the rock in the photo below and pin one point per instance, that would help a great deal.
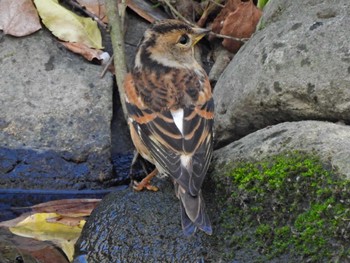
(295, 67)
(145, 226)
(329, 141)
(54, 118)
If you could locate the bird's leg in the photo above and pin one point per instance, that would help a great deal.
(134, 159)
(145, 183)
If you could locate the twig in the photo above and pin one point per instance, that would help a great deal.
(176, 13)
(229, 37)
(117, 39)
(75, 4)
(194, 25)
(218, 3)
(210, 7)
(109, 62)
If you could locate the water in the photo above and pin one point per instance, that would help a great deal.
(14, 202)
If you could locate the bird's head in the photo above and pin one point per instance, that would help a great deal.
(169, 43)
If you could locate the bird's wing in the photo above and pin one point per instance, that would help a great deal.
(180, 141)
(197, 144)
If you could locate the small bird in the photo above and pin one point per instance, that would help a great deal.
(170, 115)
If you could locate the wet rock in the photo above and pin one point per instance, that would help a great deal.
(329, 141)
(145, 226)
(295, 67)
(55, 116)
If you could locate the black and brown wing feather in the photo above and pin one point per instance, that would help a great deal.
(159, 140)
(153, 121)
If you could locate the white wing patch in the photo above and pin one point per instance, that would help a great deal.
(185, 160)
(178, 117)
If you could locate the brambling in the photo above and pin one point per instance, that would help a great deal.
(170, 114)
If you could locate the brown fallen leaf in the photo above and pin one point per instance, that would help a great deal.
(189, 9)
(15, 221)
(30, 250)
(209, 7)
(18, 18)
(97, 7)
(86, 52)
(67, 207)
(237, 19)
(37, 226)
(59, 221)
(67, 220)
(146, 10)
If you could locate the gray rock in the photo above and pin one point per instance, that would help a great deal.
(54, 118)
(296, 67)
(145, 226)
(331, 142)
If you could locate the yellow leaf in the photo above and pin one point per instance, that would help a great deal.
(68, 26)
(37, 226)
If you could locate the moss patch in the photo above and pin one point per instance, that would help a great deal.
(288, 205)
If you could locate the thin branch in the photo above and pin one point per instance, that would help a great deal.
(176, 13)
(194, 25)
(75, 4)
(217, 3)
(210, 7)
(230, 37)
(117, 39)
(108, 64)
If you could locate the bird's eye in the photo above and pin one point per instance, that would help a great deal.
(184, 39)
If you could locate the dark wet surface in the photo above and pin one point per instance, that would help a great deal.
(130, 226)
(14, 202)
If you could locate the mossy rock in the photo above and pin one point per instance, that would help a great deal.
(290, 206)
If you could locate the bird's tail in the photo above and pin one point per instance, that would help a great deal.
(193, 213)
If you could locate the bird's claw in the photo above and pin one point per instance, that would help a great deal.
(139, 186)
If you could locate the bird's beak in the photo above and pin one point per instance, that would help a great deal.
(199, 33)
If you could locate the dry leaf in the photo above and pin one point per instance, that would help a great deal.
(237, 19)
(68, 26)
(15, 221)
(86, 52)
(67, 207)
(209, 8)
(146, 10)
(97, 7)
(68, 221)
(37, 226)
(31, 250)
(189, 9)
(18, 18)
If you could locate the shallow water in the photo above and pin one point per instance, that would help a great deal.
(14, 202)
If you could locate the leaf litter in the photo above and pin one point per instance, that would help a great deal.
(59, 221)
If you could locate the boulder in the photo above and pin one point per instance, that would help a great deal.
(130, 226)
(329, 141)
(295, 67)
(55, 116)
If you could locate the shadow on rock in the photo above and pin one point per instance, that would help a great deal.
(49, 169)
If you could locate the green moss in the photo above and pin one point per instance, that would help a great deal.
(261, 4)
(290, 204)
